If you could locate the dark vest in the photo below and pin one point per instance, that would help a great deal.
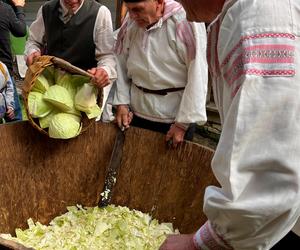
(72, 41)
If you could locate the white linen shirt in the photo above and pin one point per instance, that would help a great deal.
(170, 54)
(255, 63)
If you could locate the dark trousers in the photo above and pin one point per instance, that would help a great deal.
(290, 242)
(161, 127)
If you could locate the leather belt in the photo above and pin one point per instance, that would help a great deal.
(160, 91)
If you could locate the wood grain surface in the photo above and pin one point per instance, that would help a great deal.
(168, 183)
(40, 177)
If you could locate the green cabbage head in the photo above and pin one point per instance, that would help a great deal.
(64, 126)
(59, 97)
(37, 106)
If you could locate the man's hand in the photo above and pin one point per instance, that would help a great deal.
(175, 135)
(32, 56)
(123, 116)
(100, 78)
(19, 3)
(10, 113)
(179, 242)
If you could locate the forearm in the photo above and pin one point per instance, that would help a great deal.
(108, 63)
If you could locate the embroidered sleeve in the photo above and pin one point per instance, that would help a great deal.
(186, 36)
(206, 238)
(265, 55)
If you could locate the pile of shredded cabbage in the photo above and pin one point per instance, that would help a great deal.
(108, 228)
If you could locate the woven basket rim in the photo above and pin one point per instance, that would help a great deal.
(36, 69)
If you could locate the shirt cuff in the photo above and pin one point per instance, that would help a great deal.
(183, 126)
(30, 50)
(111, 75)
(207, 238)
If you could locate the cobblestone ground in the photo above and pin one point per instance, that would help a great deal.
(205, 141)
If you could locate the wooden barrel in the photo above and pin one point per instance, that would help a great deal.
(41, 176)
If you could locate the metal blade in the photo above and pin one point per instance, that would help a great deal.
(113, 167)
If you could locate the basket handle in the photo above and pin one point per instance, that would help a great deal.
(61, 61)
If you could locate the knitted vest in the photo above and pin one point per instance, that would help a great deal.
(72, 41)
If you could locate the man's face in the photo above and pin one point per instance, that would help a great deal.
(145, 13)
(202, 10)
(72, 5)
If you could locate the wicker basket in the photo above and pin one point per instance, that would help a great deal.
(36, 69)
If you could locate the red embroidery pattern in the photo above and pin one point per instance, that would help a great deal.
(206, 238)
(264, 55)
(253, 37)
(186, 35)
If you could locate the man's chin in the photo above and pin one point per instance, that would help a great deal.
(141, 24)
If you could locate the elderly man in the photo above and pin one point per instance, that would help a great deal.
(254, 60)
(79, 31)
(163, 69)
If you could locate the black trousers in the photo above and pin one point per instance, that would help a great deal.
(161, 127)
(290, 242)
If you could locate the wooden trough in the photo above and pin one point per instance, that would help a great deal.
(40, 176)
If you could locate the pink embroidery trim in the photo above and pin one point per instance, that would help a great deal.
(269, 53)
(186, 35)
(206, 238)
(257, 36)
(280, 57)
(259, 72)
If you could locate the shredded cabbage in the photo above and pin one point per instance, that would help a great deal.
(108, 228)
